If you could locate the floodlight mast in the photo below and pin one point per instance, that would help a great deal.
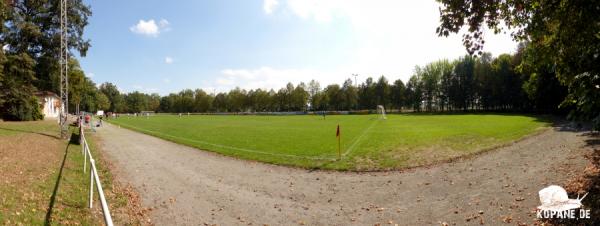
(64, 78)
(356, 85)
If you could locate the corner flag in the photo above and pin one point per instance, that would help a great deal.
(339, 136)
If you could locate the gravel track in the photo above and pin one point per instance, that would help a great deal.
(186, 186)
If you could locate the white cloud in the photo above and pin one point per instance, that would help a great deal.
(269, 6)
(150, 28)
(142, 89)
(91, 75)
(321, 11)
(5, 47)
(168, 60)
(163, 23)
(269, 78)
(391, 36)
(167, 80)
(225, 81)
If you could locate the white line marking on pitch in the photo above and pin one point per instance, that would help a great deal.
(358, 139)
(230, 147)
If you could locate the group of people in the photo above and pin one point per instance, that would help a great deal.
(87, 119)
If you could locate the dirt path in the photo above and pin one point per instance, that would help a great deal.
(186, 186)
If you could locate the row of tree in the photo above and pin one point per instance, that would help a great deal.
(504, 83)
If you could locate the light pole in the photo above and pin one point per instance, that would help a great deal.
(64, 62)
(356, 84)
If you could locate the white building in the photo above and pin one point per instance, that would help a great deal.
(49, 104)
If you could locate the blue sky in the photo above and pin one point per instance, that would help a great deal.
(165, 46)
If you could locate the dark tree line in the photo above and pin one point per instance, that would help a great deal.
(505, 83)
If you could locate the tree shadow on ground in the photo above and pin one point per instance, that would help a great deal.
(32, 132)
(74, 139)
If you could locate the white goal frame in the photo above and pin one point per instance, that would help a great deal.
(147, 113)
(381, 112)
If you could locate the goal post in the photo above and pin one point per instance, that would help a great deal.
(381, 112)
(147, 113)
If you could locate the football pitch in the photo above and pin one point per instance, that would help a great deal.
(367, 142)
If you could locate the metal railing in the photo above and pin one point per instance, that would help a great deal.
(87, 155)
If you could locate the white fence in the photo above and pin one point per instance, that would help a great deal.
(87, 156)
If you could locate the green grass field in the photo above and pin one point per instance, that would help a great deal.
(367, 143)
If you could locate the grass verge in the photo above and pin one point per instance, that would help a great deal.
(42, 180)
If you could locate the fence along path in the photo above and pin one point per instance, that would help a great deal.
(87, 156)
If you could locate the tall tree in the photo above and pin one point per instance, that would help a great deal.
(313, 89)
(202, 101)
(512, 91)
(462, 95)
(220, 102)
(236, 99)
(153, 102)
(541, 85)
(77, 84)
(566, 32)
(136, 102)
(90, 97)
(102, 101)
(431, 78)
(484, 81)
(2, 62)
(287, 100)
(16, 88)
(34, 27)
(413, 92)
(185, 101)
(30, 34)
(382, 92)
(349, 96)
(167, 103)
(446, 70)
(398, 94)
(114, 96)
(299, 97)
(261, 100)
(367, 96)
(334, 97)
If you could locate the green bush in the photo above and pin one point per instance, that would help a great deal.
(16, 89)
(23, 108)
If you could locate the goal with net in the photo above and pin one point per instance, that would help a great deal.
(147, 113)
(381, 112)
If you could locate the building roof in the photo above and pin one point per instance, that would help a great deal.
(45, 94)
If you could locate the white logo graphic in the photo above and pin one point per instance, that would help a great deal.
(556, 204)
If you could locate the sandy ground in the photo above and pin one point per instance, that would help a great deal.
(185, 186)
